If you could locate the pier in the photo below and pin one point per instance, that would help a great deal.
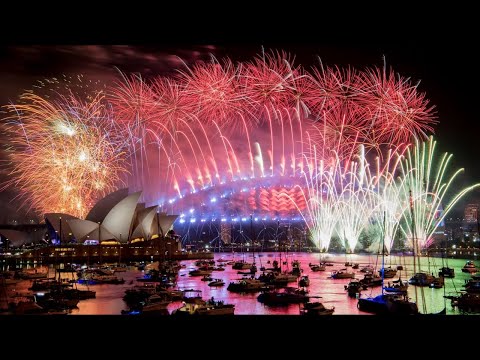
(79, 253)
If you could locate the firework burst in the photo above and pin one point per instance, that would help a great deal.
(424, 187)
(63, 153)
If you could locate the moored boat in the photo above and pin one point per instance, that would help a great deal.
(315, 309)
(469, 267)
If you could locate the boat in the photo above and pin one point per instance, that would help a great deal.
(247, 285)
(279, 279)
(49, 301)
(296, 270)
(353, 288)
(199, 272)
(397, 287)
(371, 280)
(95, 278)
(30, 307)
(241, 265)
(342, 274)
(388, 304)
(9, 281)
(389, 272)
(68, 268)
(120, 268)
(315, 267)
(422, 279)
(467, 302)
(476, 276)
(469, 267)
(155, 304)
(198, 306)
(216, 282)
(315, 308)
(28, 275)
(447, 272)
(472, 286)
(212, 307)
(287, 296)
(367, 269)
(304, 281)
(437, 283)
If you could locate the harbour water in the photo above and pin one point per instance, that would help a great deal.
(323, 288)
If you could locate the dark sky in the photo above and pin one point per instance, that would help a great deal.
(440, 57)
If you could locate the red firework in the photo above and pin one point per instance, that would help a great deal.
(340, 131)
(266, 82)
(396, 108)
(335, 88)
(302, 92)
(172, 105)
(132, 100)
(214, 91)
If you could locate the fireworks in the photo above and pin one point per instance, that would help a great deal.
(424, 185)
(306, 135)
(407, 192)
(65, 152)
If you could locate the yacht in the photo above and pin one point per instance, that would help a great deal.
(285, 297)
(388, 272)
(353, 288)
(155, 304)
(274, 278)
(198, 306)
(200, 272)
(342, 274)
(315, 308)
(315, 267)
(397, 287)
(216, 282)
(469, 267)
(422, 279)
(447, 272)
(241, 265)
(388, 304)
(247, 285)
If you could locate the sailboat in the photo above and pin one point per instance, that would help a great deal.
(387, 303)
(446, 271)
(321, 264)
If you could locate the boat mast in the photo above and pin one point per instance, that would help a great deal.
(415, 252)
(253, 237)
(383, 253)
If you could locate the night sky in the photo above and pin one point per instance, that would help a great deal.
(437, 56)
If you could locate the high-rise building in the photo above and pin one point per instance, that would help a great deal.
(471, 212)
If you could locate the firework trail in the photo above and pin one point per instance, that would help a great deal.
(424, 184)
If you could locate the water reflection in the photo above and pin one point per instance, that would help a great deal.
(329, 291)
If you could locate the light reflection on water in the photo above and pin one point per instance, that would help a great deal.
(109, 297)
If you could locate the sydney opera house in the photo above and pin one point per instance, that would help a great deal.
(118, 218)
